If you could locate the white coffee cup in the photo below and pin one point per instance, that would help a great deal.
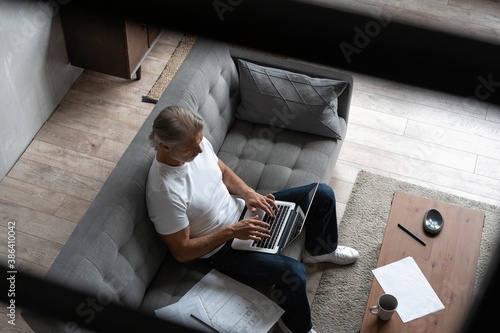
(386, 306)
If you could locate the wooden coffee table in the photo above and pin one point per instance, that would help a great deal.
(448, 261)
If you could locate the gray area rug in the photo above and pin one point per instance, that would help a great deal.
(341, 296)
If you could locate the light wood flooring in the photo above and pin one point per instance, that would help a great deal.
(416, 135)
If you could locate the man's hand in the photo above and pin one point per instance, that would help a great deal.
(184, 248)
(255, 200)
(251, 228)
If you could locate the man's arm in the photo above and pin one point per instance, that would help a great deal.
(237, 186)
(185, 249)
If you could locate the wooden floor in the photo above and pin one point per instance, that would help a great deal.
(420, 136)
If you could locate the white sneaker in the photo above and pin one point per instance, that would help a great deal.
(286, 330)
(343, 255)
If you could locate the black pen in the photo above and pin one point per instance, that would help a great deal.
(411, 234)
(201, 321)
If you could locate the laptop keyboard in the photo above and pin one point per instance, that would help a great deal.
(276, 225)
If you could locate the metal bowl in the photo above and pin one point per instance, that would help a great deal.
(433, 221)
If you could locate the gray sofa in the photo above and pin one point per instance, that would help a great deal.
(114, 252)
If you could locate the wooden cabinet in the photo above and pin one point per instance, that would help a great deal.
(107, 44)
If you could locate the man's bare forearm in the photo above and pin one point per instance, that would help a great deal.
(233, 182)
(193, 248)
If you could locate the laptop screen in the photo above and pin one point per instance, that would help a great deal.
(307, 201)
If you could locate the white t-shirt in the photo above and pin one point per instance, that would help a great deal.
(191, 194)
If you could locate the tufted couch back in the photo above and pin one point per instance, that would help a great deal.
(209, 87)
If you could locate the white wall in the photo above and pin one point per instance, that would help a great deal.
(35, 73)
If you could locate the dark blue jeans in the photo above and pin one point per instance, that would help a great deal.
(288, 276)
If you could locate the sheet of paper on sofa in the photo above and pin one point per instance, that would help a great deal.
(405, 280)
(181, 312)
(231, 305)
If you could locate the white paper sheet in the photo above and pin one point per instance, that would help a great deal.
(182, 311)
(405, 280)
(234, 307)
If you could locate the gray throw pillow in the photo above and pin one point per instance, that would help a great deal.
(284, 99)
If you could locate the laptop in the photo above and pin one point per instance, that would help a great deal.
(285, 227)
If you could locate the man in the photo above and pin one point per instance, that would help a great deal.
(196, 201)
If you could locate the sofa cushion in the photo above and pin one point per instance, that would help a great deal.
(285, 99)
(270, 159)
(172, 281)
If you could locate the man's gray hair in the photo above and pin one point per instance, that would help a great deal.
(173, 126)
